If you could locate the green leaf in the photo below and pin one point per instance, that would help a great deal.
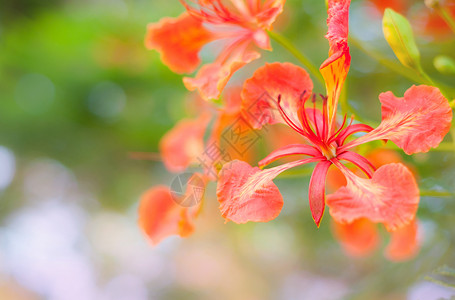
(444, 64)
(398, 33)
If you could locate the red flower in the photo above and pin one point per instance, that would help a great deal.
(239, 24)
(278, 93)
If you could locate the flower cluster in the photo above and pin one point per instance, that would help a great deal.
(282, 93)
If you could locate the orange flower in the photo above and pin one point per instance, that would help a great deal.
(159, 213)
(160, 216)
(278, 92)
(239, 25)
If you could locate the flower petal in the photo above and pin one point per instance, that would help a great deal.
(247, 194)
(260, 93)
(179, 41)
(182, 145)
(316, 192)
(358, 238)
(391, 197)
(336, 67)
(403, 244)
(211, 79)
(160, 216)
(415, 123)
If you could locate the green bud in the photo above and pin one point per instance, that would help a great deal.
(444, 64)
(398, 33)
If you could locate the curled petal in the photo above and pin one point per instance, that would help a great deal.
(403, 244)
(293, 149)
(182, 145)
(160, 216)
(336, 67)
(179, 41)
(261, 92)
(316, 192)
(415, 123)
(391, 197)
(358, 238)
(212, 78)
(247, 193)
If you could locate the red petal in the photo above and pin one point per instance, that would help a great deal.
(211, 79)
(336, 67)
(415, 123)
(293, 149)
(182, 145)
(247, 194)
(316, 192)
(160, 216)
(358, 238)
(403, 244)
(391, 197)
(179, 41)
(260, 93)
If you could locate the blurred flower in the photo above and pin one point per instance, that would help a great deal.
(389, 195)
(159, 213)
(360, 237)
(240, 25)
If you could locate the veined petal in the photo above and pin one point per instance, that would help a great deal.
(293, 149)
(247, 193)
(211, 79)
(261, 92)
(403, 244)
(391, 197)
(336, 67)
(316, 192)
(358, 238)
(182, 145)
(415, 123)
(160, 216)
(178, 40)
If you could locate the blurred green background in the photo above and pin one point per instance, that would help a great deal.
(79, 92)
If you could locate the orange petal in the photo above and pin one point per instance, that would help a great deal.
(160, 216)
(358, 238)
(269, 12)
(247, 193)
(391, 197)
(260, 93)
(211, 79)
(403, 244)
(241, 201)
(232, 132)
(179, 41)
(182, 145)
(415, 123)
(336, 67)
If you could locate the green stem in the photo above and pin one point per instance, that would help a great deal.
(287, 44)
(421, 78)
(435, 194)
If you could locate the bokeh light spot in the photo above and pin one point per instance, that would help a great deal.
(34, 93)
(106, 100)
